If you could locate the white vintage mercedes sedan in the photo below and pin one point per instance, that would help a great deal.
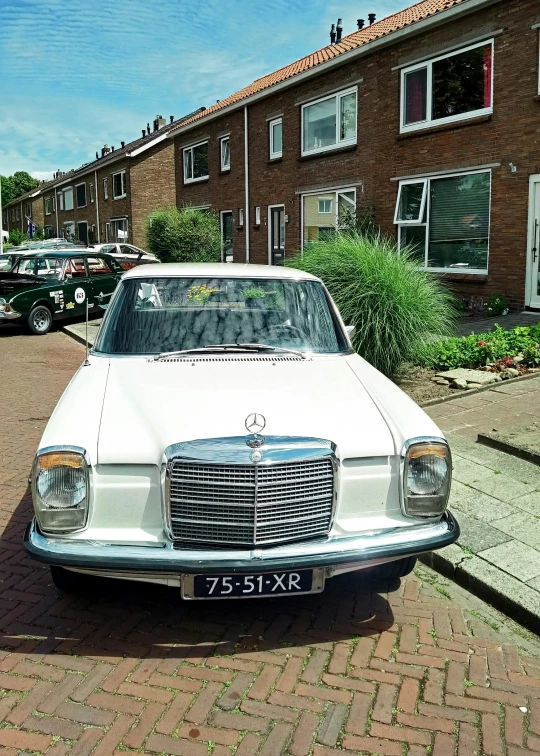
(223, 437)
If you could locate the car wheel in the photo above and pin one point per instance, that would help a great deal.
(394, 570)
(66, 580)
(40, 320)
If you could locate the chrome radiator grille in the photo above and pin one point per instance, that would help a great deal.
(249, 504)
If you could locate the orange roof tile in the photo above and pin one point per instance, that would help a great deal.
(392, 23)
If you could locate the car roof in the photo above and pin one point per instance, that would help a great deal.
(218, 270)
(63, 253)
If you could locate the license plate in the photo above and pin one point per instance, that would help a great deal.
(249, 586)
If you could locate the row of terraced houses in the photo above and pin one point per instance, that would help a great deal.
(430, 118)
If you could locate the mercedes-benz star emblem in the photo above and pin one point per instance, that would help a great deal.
(255, 423)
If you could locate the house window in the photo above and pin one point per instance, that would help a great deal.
(257, 216)
(105, 188)
(119, 185)
(48, 232)
(325, 212)
(69, 230)
(92, 193)
(196, 163)
(48, 205)
(80, 189)
(28, 211)
(68, 198)
(225, 152)
(17, 214)
(325, 205)
(60, 201)
(240, 217)
(119, 230)
(276, 138)
(450, 88)
(329, 122)
(445, 220)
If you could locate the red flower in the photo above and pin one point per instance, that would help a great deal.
(482, 343)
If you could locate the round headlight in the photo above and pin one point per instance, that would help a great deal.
(61, 487)
(427, 472)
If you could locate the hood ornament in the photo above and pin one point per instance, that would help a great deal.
(255, 424)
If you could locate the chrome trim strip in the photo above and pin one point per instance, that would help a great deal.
(163, 557)
(403, 485)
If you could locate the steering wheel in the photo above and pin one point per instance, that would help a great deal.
(288, 330)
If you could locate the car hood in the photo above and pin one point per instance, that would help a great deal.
(11, 283)
(149, 405)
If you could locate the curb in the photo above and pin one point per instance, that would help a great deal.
(75, 336)
(489, 439)
(504, 592)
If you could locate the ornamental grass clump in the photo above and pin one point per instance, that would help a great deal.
(395, 307)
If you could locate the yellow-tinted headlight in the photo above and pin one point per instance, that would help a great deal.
(427, 473)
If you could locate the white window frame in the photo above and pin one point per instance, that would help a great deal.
(407, 224)
(114, 229)
(275, 154)
(428, 64)
(408, 182)
(241, 217)
(224, 166)
(60, 200)
(48, 204)
(106, 188)
(258, 215)
(92, 196)
(63, 195)
(190, 149)
(336, 193)
(337, 96)
(122, 174)
(324, 212)
(83, 183)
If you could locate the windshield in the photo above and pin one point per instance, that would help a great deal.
(39, 266)
(157, 315)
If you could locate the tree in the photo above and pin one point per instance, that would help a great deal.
(185, 235)
(13, 186)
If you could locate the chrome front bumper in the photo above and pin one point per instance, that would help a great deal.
(372, 547)
(11, 315)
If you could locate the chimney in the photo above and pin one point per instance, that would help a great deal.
(123, 144)
(112, 148)
(339, 30)
(371, 17)
(105, 150)
(360, 23)
(160, 122)
(148, 128)
(155, 124)
(143, 133)
(97, 155)
(333, 35)
(171, 119)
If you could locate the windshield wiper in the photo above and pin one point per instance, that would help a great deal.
(248, 347)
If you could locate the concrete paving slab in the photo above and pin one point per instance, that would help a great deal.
(522, 526)
(515, 558)
(503, 487)
(468, 471)
(479, 536)
(529, 503)
(479, 505)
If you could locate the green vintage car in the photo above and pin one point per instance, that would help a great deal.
(51, 285)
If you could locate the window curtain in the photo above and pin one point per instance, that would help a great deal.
(416, 96)
(487, 76)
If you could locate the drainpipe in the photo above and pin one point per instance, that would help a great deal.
(56, 211)
(22, 218)
(246, 179)
(96, 195)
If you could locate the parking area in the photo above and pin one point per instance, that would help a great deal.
(413, 668)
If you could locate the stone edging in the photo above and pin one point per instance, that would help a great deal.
(470, 392)
(489, 439)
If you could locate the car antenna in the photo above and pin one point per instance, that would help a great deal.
(86, 362)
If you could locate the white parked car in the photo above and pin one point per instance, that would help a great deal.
(124, 250)
(226, 439)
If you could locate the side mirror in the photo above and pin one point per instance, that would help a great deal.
(350, 330)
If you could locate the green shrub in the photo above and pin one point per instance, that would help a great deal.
(480, 349)
(497, 305)
(185, 235)
(16, 236)
(396, 307)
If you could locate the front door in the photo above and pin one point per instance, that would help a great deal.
(533, 246)
(227, 236)
(276, 230)
(82, 228)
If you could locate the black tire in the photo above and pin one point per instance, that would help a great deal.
(66, 580)
(394, 570)
(40, 320)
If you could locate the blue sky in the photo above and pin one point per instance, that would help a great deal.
(80, 74)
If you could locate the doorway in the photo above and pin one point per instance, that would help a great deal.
(227, 255)
(276, 234)
(533, 245)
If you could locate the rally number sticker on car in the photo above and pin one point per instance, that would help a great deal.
(58, 297)
(80, 295)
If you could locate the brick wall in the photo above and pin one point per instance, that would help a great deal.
(152, 177)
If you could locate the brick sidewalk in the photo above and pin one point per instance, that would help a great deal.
(416, 668)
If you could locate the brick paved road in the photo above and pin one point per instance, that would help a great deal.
(412, 669)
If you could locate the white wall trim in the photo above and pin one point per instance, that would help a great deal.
(246, 180)
(448, 171)
(450, 48)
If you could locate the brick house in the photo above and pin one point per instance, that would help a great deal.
(27, 207)
(430, 116)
